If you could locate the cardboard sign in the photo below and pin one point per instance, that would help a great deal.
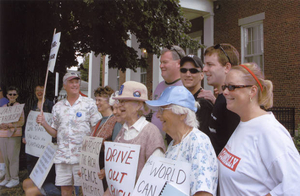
(36, 136)
(53, 52)
(89, 166)
(11, 114)
(159, 170)
(43, 166)
(121, 161)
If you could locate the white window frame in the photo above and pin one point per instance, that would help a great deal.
(245, 24)
(143, 74)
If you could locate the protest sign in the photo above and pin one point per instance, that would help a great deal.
(121, 162)
(89, 166)
(159, 170)
(36, 136)
(43, 166)
(54, 51)
(11, 114)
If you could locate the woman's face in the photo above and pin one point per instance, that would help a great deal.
(129, 109)
(12, 95)
(39, 91)
(238, 99)
(102, 103)
(169, 119)
(117, 113)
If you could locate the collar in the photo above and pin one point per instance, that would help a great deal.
(138, 125)
(196, 94)
(66, 102)
(173, 81)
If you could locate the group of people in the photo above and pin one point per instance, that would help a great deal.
(233, 145)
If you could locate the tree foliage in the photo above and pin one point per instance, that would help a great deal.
(102, 26)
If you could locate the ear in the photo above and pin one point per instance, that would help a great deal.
(202, 75)
(253, 92)
(227, 67)
(182, 117)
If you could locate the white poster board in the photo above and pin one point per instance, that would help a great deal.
(159, 170)
(89, 166)
(43, 166)
(36, 136)
(121, 161)
(54, 51)
(11, 114)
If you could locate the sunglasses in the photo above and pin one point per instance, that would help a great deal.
(232, 87)
(192, 70)
(218, 46)
(10, 94)
(161, 110)
(174, 49)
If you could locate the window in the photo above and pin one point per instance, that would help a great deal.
(252, 41)
(143, 75)
(118, 79)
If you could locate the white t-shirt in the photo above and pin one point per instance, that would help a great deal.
(259, 158)
(197, 150)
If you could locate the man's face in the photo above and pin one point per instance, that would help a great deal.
(214, 71)
(72, 86)
(169, 67)
(191, 80)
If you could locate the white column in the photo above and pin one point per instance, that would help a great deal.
(208, 34)
(106, 71)
(94, 73)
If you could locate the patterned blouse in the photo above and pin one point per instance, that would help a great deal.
(197, 150)
(72, 124)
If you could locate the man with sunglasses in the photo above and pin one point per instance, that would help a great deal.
(218, 61)
(191, 76)
(169, 66)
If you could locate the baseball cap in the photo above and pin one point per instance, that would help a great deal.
(132, 90)
(177, 95)
(196, 60)
(70, 76)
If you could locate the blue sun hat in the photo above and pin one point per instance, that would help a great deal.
(177, 95)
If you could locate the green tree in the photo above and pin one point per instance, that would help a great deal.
(85, 25)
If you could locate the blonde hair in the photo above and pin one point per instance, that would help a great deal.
(264, 95)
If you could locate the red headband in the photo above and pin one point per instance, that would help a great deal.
(253, 76)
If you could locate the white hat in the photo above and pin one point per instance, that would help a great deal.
(70, 76)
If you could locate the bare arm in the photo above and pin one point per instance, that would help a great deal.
(202, 193)
(41, 120)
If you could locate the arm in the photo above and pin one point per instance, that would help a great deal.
(41, 120)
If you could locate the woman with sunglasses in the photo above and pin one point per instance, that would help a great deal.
(10, 142)
(260, 157)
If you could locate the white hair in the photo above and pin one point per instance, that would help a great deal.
(112, 101)
(191, 119)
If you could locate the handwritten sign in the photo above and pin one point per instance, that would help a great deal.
(159, 170)
(43, 166)
(89, 166)
(11, 114)
(53, 52)
(36, 136)
(121, 162)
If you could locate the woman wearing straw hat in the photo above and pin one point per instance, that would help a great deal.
(176, 109)
(136, 129)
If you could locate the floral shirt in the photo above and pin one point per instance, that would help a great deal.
(72, 124)
(197, 150)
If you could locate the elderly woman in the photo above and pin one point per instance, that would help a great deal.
(10, 142)
(260, 157)
(176, 109)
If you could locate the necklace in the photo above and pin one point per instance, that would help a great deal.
(172, 82)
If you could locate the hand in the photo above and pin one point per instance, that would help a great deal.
(40, 119)
(207, 94)
(101, 174)
(5, 125)
(79, 173)
(24, 140)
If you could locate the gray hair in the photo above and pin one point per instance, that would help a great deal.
(191, 119)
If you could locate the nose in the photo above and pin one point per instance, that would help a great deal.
(225, 91)
(188, 73)
(205, 68)
(158, 114)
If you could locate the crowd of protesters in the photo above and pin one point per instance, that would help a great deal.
(233, 145)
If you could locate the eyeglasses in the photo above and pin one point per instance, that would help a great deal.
(10, 94)
(218, 46)
(192, 70)
(161, 110)
(172, 48)
(232, 87)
